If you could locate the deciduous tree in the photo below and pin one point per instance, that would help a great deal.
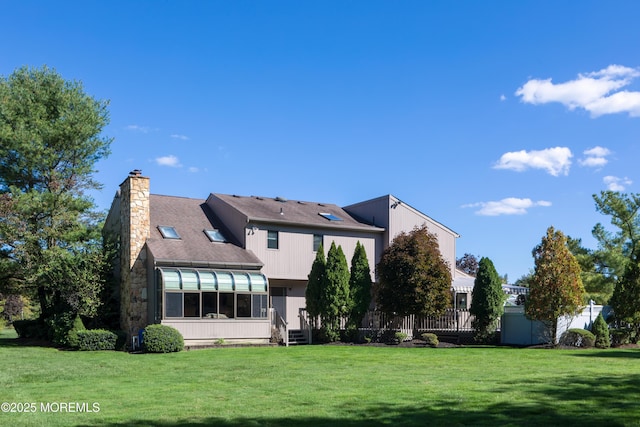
(556, 288)
(413, 276)
(487, 301)
(468, 263)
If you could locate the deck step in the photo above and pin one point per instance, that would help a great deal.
(297, 337)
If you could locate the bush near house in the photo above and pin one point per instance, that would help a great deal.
(577, 338)
(96, 339)
(162, 339)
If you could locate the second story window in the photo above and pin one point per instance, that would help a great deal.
(317, 241)
(272, 239)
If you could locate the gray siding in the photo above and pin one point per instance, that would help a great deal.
(294, 256)
(397, 217)
(234, 221)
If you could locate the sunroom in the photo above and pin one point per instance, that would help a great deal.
(208, 304)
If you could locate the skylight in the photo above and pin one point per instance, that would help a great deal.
(330, 216)
(215, 235)
(168, 232)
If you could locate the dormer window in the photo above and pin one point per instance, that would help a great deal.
(330, 216)
(168, 232)
(215, 235)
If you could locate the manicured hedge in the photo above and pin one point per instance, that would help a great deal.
(578, 338)
(161, 339)
(96, 339)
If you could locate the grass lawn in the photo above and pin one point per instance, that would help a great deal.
(323, 385)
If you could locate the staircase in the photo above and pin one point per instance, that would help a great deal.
(297, 337)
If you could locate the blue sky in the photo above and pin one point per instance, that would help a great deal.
(498, 119)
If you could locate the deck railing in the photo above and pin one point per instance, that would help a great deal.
(453, 320)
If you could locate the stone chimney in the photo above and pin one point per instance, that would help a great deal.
(135, 226)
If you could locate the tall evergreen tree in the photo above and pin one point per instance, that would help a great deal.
(359, 286)
(315, 286)
(335, 301)
(626, 298)
(487, 301)
(556, 288)
(50, 140)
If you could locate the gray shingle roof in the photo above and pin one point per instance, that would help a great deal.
(292, 212)
(190, 217)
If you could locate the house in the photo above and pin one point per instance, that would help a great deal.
(216, 268)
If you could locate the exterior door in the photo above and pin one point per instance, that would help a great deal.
(279, 301)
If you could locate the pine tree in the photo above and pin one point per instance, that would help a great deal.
(315, 285)
(601, 330)
(626, 298)
(359, 286)
(335, 301)
(50, 141)
(487, 301)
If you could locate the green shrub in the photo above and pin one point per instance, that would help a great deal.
(96, 339)
(577, 338)
(430, 339)
(393, 336)
(58, 327)
(72, 335)
(31, 328)
(620, 336)
(601, 330)
(162, 339)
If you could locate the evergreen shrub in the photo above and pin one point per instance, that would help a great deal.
(162, 339)
(577, 338)
(72, 335)
(430, 339)
(601, 330)
(96, 339)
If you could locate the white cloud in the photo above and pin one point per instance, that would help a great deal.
(194, 169)
(594, 92)
(595, 157)
(178, 136)
(503, 98)
(170, 160)
(138, 128)
(616, 184)
(555, 160)
(508, 206)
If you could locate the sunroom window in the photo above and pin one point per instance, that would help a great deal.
(212, 294)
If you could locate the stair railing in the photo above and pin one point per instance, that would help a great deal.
(281, 325)
(305, 326)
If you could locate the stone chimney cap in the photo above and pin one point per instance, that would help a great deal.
(135, 172)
